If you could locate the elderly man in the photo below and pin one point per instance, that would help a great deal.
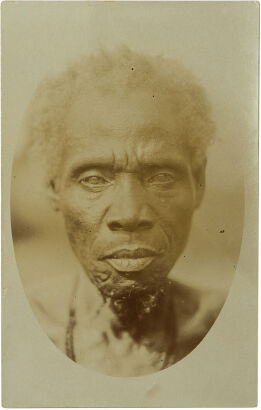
(124, 137)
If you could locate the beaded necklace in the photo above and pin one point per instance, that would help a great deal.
(69, 343)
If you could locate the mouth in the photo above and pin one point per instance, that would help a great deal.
(131, 259)
(130, 264)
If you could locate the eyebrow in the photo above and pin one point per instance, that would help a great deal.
(90, 163)
(164, 162)
(108, 165)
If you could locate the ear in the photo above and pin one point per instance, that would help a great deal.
(200, 181)
(53, 194)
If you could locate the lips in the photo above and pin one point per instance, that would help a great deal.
(130, 264)
(131, 259)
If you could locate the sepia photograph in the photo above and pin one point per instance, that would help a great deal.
(130, 133)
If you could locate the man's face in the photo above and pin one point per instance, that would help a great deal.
(126, 191)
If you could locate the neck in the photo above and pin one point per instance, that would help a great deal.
(143, 314)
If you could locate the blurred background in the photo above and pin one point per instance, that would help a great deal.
(43, 38)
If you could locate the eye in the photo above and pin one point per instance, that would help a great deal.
(161, 178)
(94, 181)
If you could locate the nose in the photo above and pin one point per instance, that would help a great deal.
(129, 210)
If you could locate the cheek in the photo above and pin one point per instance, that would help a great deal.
(175, 211)
(82, 217)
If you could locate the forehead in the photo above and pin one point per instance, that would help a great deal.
(122, 110)
(110, 127)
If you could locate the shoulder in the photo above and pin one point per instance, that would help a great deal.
(188, 299)
(50, 300)
(196, 311)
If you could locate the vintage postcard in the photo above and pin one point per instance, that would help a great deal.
(130, 175)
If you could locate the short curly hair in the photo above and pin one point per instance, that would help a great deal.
(107, 72)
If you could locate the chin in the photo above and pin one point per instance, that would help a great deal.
(128, 285)
(126, 288)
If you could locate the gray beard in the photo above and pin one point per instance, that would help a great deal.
(138, 313)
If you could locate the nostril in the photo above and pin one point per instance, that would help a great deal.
(143, 225)
(129, 225)
(115, 226)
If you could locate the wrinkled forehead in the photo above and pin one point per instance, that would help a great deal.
(123, 114)
(123, 128)
(147, 146)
